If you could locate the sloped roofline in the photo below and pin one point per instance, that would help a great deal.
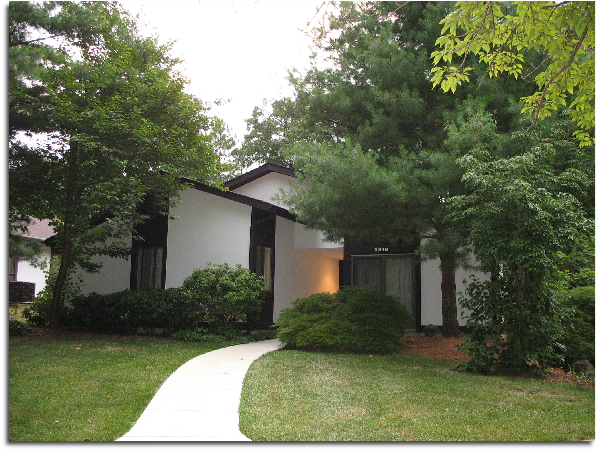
(259, 204)
(258, 173)
(236, 183)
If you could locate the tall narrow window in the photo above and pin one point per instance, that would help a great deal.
(400, 279)
(264, 265)
(368, 271)
(149, 268)
(13, 264)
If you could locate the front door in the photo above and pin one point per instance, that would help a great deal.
(392, 275)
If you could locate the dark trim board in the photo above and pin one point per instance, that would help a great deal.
(241, 199)
(258, 173)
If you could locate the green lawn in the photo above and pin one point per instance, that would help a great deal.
(92, 388)
(301, 396)
(76, 388)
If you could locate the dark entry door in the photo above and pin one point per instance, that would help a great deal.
(262, 258)
(393, 275)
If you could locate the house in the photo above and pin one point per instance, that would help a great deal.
(245, 225)
(26, 280)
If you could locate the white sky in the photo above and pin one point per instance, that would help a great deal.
(236, 50)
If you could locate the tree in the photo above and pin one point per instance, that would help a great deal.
(561, 32)
(375, 98)
(519, 216)
(117, 123)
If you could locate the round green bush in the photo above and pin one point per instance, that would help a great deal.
(355, 319)
(225, 294)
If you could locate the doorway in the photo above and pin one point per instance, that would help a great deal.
(392, 275)
(262, 259)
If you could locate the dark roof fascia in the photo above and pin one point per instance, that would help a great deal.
(258, 173)
(259, 204)
(279, 211)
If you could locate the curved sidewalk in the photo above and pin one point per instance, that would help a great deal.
(199, 401)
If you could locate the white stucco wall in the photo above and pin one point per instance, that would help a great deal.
(300, 272)
(430, 298)
(266, 187)
(208, 229)
(114, 276)
(27, 272)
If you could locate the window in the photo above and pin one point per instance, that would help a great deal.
(393, 275)
(13, 264)
(264, 265)
(149, 263)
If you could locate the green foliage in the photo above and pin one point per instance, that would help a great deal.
(501, 36)
(117, 125)
(221, 335)
(517, 211)
(216, 297)
(509, 331)
(368, 125)
(18, 328)
(127, 311)
(519, 214)
(39, 312)
(355, 319)
(578, 326)
(225, 294)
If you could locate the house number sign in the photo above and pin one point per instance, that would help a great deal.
(381, 249)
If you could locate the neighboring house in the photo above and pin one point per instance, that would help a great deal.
(244, 226)
(23, 271)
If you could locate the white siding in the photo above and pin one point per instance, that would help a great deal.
(27, 272)
(114, 276)
(431, 303)
(208, 229)
(301, 272)
(266, 187)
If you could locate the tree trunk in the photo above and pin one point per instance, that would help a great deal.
(448, 295)
(67, 239)
(61, 278)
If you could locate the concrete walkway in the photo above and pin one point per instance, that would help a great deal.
(199, 401)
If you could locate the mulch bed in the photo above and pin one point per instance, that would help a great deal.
(446, 348)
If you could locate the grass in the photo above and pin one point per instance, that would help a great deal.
(76, 388)
(73, 388)
(300, 396)
(15, 312)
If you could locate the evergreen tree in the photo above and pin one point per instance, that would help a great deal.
(372, 112)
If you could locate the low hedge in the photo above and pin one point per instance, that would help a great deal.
(126, 311)
(355, 319)
(215, 297)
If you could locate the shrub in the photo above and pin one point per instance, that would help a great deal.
(39, 312)
(18, 328)
(355, 319)
(126, 311)
(200, 334)
(225, 335)
(214, 297)
(508, 331)
(224, 294)
(578, 326)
